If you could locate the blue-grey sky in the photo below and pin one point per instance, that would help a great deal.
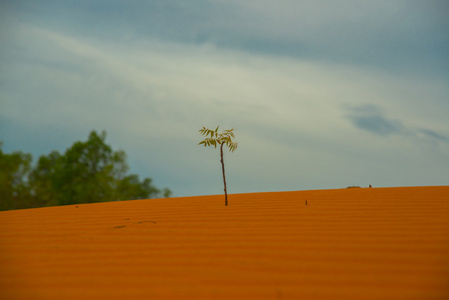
(323, 94)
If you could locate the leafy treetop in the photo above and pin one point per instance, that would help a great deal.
(215, 138)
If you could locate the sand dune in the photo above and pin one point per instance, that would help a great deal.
(361, 243)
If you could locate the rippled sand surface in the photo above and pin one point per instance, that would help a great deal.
(358, 243)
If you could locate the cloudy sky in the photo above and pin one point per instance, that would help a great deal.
(323, 94)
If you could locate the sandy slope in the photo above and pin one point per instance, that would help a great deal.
(378, 243)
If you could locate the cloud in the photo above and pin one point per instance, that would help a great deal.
(152, 89)
(370, 118)
(434, 135)
(399, 34)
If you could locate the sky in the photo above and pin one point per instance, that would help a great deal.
(322, 94)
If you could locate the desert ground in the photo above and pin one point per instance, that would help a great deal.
(358, 243)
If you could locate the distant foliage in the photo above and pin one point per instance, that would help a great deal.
(87, 172)
(14, 169)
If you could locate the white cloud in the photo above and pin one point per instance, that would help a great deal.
(152, 96)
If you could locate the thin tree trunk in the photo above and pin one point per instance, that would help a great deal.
(224, 177)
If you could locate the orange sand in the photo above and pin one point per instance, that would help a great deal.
(362, 243)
